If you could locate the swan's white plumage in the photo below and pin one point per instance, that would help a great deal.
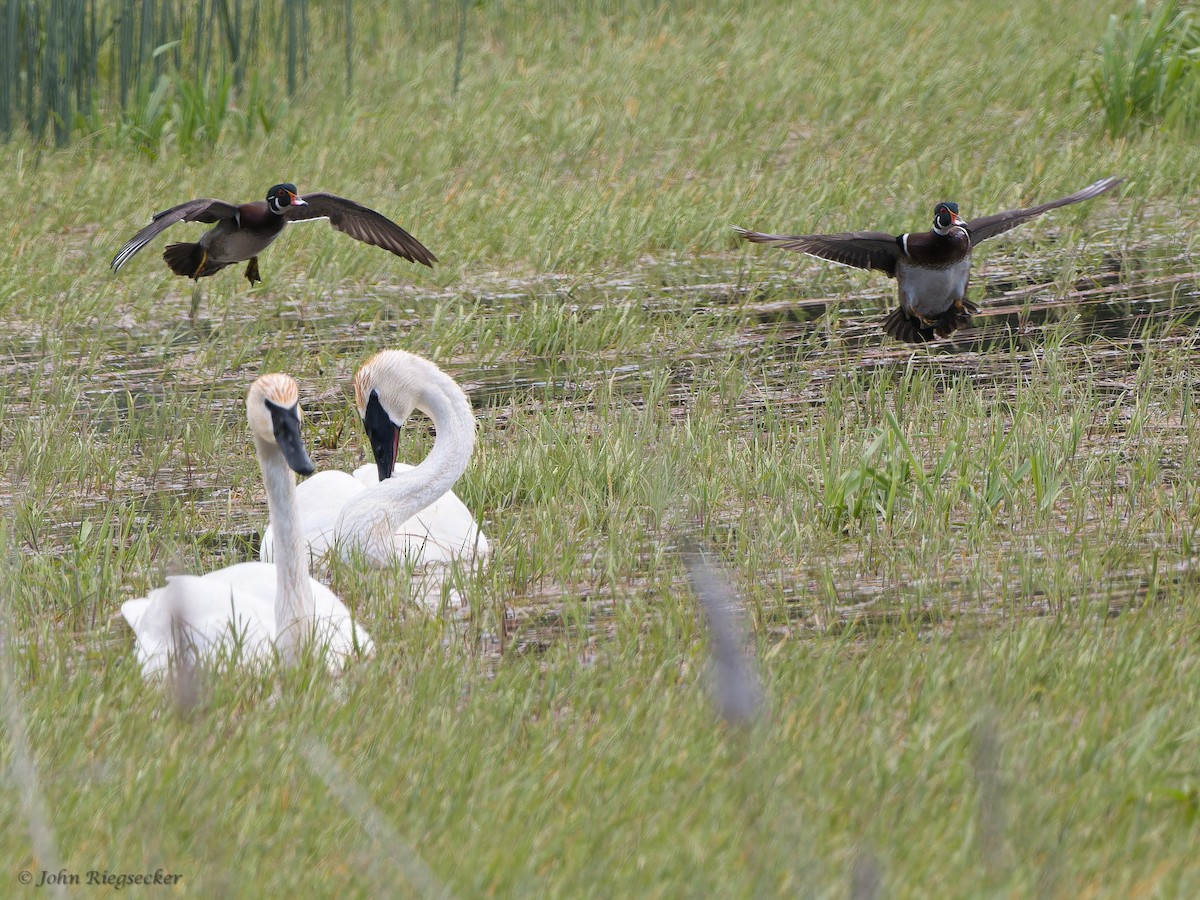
(443, 531)
(414, 515)
(232, 610)
(244, 609)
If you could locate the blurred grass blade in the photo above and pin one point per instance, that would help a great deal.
(393, 846)
(985, 764)
(866, 881)
(735, 686)
(21, 765)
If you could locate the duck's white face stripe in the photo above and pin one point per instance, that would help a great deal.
(950, 228)
(904, 243)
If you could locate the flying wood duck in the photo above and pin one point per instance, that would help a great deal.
(931, 269)
(243, 231)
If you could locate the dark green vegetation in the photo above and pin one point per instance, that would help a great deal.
(1148, 72)
(118, 69)
(969, 569)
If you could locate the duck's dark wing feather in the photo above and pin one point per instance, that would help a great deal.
(989, 226)
(203, 210)
(861, 249)
(362, 224)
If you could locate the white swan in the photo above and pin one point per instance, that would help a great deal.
(255, 607)
(391, 511)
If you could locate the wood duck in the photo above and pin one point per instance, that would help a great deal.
(243, 231)
(931, 269)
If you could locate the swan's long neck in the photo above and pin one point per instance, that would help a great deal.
(295, 607)
(369, 520)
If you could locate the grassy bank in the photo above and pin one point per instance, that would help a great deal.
(968, 569)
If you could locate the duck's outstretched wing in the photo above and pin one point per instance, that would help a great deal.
(362, 224)
(989, 226)
(203, 210)
(860, 249)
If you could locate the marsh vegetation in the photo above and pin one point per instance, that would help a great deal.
(968, 569)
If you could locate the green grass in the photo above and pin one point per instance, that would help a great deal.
(1149, 68)
(969, 574)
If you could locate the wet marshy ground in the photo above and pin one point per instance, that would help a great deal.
(125, 384)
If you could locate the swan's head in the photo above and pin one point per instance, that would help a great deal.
(387, 388)
(273, 410)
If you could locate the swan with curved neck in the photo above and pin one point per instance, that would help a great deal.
(253, 608)
(390, 511)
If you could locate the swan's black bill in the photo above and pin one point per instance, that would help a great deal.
(383, 435)
(286, 425)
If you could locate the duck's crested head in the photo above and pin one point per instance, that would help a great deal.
(281, 196)
(273, 411)
(945, 216)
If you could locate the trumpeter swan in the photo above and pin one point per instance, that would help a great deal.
(252, 607)
(392, 511)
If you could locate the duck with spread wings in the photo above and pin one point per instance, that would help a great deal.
(242, 231)
(931, 268)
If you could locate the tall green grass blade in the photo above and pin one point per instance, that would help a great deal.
(461, 45)
(349, 44)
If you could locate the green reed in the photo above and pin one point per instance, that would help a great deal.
(1148, 70)
(135, 70)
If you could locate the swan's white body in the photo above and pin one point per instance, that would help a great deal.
(413, 515)
(232, 611)
(441, 532)
(250, 610)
